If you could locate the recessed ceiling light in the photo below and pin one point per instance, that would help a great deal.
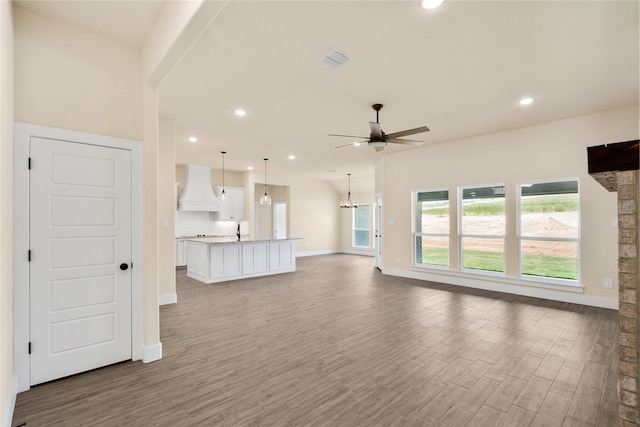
(431, 4)
(357, 143)
(250, 168)
(240, 112)
(193, 139)
(526, 101)
(291, 157)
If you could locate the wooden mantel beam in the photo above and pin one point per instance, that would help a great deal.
(620, 156)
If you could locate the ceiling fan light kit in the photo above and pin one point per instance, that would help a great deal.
(378, 139)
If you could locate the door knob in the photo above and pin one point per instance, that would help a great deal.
(124, 266)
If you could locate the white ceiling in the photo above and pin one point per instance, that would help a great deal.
(460, 70)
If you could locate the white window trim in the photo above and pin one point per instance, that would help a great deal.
(544, 279)
(532, 281)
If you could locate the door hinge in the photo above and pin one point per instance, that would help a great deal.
(29, 163)
(132, 266)
(29, 255)
(29, 347)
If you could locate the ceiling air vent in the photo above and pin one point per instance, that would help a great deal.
(333, 58)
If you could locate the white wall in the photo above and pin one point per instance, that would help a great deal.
(313, 215)
(166, 209)
(73, 79)
(6, 214)
(548, 151)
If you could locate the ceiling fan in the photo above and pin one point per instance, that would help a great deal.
(378, 139)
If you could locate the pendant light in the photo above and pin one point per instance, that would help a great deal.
(223, 195)
(265, 199)
(349, 204)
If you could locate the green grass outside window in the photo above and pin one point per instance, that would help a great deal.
(533, 265)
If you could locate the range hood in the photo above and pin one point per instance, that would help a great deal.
(198, 193)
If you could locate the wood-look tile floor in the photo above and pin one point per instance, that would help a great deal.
(339, 344)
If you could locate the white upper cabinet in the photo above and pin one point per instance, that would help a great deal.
(232, 208)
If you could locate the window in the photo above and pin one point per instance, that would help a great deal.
(361, 226)
(482, 228)
(431, 227)
(549, 229)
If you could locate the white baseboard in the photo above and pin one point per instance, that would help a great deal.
(12, 403)
(364, 252)
(528, 291)
(167, 299)
(151, 353)
(313, 253)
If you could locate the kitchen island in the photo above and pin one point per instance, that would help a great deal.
(219, 259)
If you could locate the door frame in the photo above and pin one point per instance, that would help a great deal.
(377, 218)
(22, 133)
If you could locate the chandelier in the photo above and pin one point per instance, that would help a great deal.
(348, 204)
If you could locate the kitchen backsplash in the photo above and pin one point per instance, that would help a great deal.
(194, 223)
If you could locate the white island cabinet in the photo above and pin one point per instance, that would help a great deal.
(212, 260)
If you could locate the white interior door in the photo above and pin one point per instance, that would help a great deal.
(80, 245)
(377, 213)
(280, 220)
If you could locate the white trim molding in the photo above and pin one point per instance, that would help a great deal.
(492, 276)
(314, 253)
(356, 251)
(168, 299)
(489, 284)
(151, 353)
(12, 403)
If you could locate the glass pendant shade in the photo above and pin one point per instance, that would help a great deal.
(223, 195)
(349, 204)
(265, 199)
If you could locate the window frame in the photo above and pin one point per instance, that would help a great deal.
(520, 238)
(461, 236)
(354, 229)
(416, 234)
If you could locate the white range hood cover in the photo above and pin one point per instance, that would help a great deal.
(198, 193)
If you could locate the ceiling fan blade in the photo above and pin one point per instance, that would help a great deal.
(347, 136)
(376, 131)
(408, 132)
(353, 144)
(380, 148)
(404, 141)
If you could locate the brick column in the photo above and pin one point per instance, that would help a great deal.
(615, 166)
(627, 187)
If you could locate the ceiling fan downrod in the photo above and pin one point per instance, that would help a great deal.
(377, 107)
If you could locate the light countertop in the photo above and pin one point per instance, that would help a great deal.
(243, 239)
